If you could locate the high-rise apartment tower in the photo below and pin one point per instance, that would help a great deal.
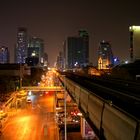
(35, 51)
(21, 46)
(77, 50)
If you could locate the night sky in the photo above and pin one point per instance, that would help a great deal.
(55, 20)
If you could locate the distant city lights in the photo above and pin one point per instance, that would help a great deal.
(126, 62)
(76, 63)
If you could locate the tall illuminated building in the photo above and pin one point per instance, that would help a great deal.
(4, 55)
(60, 61)
(83, 34)
(46, 63)
(77, 50)
(134, 42)
(64, 55)
(21, 46)
(35, 51)
(105, 55)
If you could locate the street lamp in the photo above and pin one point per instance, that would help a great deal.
(65, 105)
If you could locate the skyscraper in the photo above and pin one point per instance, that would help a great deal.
(64, 54)
(134, 42)
(4, 55)
(60, 61)
(85, 37)
(77, 50)
(105, 55)
(35, 51)
(45, 59)
(21, 46)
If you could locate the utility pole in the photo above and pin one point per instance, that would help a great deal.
(65, 107)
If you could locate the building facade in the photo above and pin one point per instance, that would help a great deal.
(77, 51)
(21, 46)
(60, 61)
(46, 59)
(4, 55)
(134, 42)
(35, 51)
(105, 55)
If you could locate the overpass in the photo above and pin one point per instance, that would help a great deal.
(35, 88)
(108, 121)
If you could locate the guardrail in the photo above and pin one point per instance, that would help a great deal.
(108, 121)
(9, 101)
(35, 88)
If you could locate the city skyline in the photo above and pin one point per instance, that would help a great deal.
(54, 21)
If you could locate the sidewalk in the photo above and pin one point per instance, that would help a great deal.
(10, 113)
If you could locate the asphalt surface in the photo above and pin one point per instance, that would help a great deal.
(34, 121)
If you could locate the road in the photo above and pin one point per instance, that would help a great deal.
(34, 121)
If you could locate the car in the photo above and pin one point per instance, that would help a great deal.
(28, 101)
(2, 114)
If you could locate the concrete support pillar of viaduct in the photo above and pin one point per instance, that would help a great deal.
(86, 130)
